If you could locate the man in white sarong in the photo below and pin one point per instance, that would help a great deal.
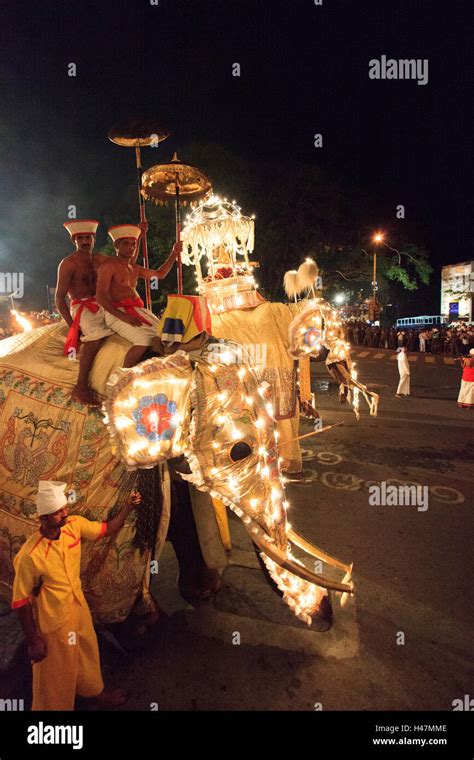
(77, 278)
(124, 309)
(403, 389)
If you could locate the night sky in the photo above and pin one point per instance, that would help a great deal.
(304, 69)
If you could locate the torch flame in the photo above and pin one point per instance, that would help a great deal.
(22, 321)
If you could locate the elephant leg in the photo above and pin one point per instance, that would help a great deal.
(195, 580)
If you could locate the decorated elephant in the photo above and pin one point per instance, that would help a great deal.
(211, 408)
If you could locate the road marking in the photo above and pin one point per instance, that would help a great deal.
(394, 356)
(429, 360)
(447, 360)
(412, 358)
(379, 356)
(363, 353)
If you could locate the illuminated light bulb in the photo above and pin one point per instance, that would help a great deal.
(153, 418)
(277, 435)
(280, 460)
(215, 445)
(134, 448)
(262, 451)
(222, 396)
(122, 422)
(221, 420)
(242, 372)
(286, 504)
(254, 503)
(249, 400)
(260, 423)
(265, 472)
(142, 384)
(236, 434)
(214, 470)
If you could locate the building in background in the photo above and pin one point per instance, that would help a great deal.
(457, 286)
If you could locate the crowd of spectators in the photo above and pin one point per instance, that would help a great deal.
(9, 325)
(453, 340)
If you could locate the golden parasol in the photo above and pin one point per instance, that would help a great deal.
(179, 182)
(137, 133)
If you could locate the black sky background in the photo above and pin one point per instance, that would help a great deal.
(304, 70)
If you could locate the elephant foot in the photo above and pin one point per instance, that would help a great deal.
(209, 583)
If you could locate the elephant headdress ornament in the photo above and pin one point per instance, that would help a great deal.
(211, 407)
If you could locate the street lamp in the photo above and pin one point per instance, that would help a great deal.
(377, 239)
(339, 297)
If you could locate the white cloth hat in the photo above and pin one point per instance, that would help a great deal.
(51, 496)
(120, 231)
(471, 352)
(81, 227)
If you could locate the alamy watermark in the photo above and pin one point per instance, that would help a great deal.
(384, 495)
(12, 705)
(249, 354)
(402, 68)
(12, 284)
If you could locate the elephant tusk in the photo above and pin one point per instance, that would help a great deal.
(314, 551)
(287, 564)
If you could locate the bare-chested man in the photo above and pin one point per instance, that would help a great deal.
(77, 277)
(117, 280)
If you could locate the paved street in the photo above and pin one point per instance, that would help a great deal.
(403, 642)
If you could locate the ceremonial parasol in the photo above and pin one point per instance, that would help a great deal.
(136, 133)
(179, 182)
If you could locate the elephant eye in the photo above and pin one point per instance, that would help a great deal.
(240, 450)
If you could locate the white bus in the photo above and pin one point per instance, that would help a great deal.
(424, 321)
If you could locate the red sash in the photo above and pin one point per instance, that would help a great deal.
(129, 305)
(468, 374)
(72, 338)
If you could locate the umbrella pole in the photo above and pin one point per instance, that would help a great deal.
(178, 238)
(141, 202)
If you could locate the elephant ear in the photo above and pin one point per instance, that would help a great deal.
(147, 410)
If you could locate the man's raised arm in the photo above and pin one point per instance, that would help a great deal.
(164, 270)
